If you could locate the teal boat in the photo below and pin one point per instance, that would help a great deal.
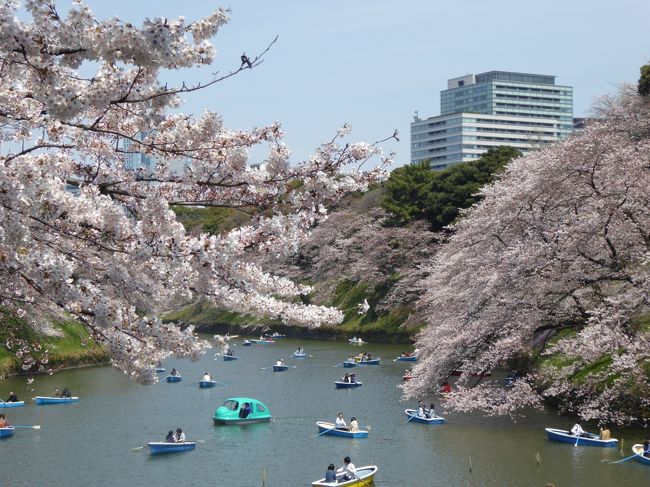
(233, 412)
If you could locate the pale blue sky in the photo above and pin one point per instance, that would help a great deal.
(372, 62)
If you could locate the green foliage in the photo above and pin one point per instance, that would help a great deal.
(644, 80)
(416, 192)
(211, 220)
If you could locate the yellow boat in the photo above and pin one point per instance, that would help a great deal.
(365, 477)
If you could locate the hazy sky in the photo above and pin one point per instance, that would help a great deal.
(372, 62)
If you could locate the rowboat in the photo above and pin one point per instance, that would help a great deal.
(227, 358)
(231, 411)
(372, 361)
(406, 358)
(329, 429)
(263, 341)
(276, 336)
(347, 364)
(299, 355)
(356, 341)
(174, 378)
(42, 400)
(247, 343)
(587, 439)
(157, 447)
(365, 477)
(347, 385)
(7, 432)
(414, 418)
(204, 384)
(638, 451)
(280, 368)
(15, 404)
(160, 370)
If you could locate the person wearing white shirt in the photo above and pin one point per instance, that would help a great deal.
(340, 422)
(180, 436)
(207, 376)
(348, 470)
(280, 363)
(354, 425)
(577, 430)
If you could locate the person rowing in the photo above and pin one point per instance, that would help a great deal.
(12, 397)
(3, 421)
(340, 423)
(175, 373)
(348, 470)
(280, 363)
(577, 430)
(179, 437)
(346, 379)
(207, 377)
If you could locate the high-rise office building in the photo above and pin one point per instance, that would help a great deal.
(479, 112)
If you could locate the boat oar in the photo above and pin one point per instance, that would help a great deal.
(338, 365)
(410, 418)
(625, 459)
(325, 431)
(220, 383)
(34, 427)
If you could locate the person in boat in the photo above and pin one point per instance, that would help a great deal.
(351, 359)
(175, 373)
(179, 437)
(431, 412)
(245, 410)
(348, 470)
(605, 434)
(354, 425)
(646, 447)
(421, 410)
(346, 379)
(207, 376)
(229, 352)
(170, 437)
(12, 397)
(280, 363)
(445, 388)
(330, 474)
(340, 423)
(57, 392)
(66, 392)
(3, 421)
(353, 378)
(577, 430)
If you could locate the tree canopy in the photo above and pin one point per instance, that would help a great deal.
(78, 96)
(552, 265)
(416, 192)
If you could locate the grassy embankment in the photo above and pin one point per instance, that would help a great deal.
(72, 348)
(380, 327)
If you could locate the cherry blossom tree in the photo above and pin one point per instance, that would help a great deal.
(552, 268)
(78, 96)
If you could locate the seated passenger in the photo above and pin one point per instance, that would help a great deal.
(280, 363)
(174, 372)
(353, 378)
(346, 379)
(66, 392)
(170, 437)
(207, 376)
(354, 425)
(330, 474)
(340, 422)
(245, 410)
(3, 422)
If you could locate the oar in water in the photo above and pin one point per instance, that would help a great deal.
(625, 459)
(338, 365)
(411, 417)
(220, 383)
(325, 431)
(34, 427)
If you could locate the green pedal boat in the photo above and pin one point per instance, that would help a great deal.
(241, 410)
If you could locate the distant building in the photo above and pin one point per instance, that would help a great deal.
(479, 112)
(139, 161)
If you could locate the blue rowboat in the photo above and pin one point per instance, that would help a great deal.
(280, 368)
(587, 439)
(347, 385)
(414, 418)
(299, 355)
(356, 341)
(174, 378)
(347, 364)
(42, 400)
(372, 361)
(247, 343)
(227, 358)
(16, 404)
(7, 432)
(204, 384)
(160, 370)
(406, 358)
(263, 341)
(329, 429)
(157, 447)
(638, 451)
(276, 336)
